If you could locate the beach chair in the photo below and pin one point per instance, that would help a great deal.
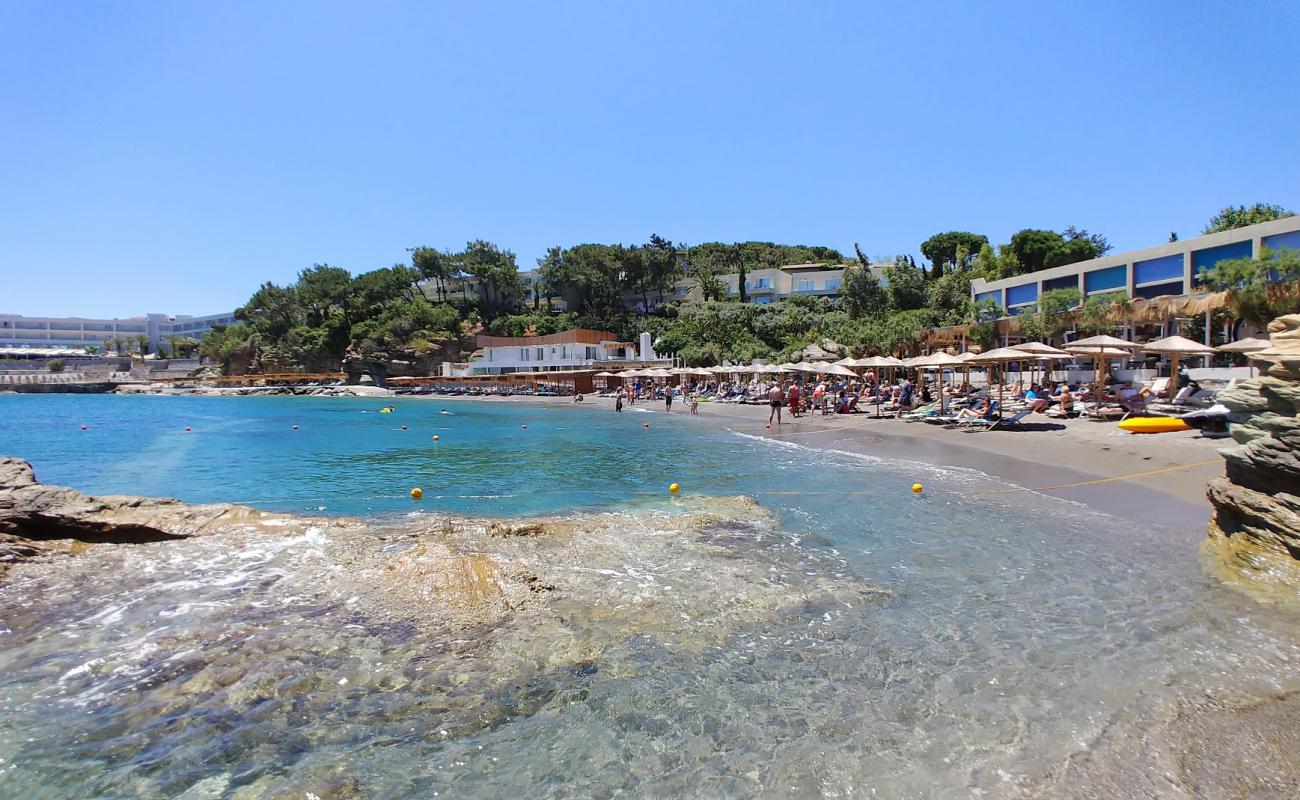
(1009, 422)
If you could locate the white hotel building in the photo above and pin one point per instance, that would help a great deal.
(577, 349)
(75, 333)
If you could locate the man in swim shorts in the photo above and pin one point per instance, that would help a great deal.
(774, 397)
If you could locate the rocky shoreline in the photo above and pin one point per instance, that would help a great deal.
(1257, 503)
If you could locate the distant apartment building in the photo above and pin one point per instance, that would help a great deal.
(76, 333)
(778, 283)
(1167, 269)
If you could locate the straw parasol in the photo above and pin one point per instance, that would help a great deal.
(839, 369)
(1175, 346)
(1251, 345)
(938, 361)
(999, 356)
(1099, 355)
(1103, 341)
(1040, 351)
(847, 362)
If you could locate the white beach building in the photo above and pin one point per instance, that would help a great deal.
(576, 349)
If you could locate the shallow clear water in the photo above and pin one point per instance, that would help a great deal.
(825, 643)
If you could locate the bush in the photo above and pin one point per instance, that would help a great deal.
(56, 365)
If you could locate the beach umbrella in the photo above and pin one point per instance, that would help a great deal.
(938, 361)
(1000, 356)
(1102, 341)
(1041, 352)
(1099, 355)
(839, 369)
(1251, 345)
(1175, 346)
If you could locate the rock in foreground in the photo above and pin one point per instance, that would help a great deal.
(1257, 503)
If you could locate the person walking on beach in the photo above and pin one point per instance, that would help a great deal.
(668, 399)
(774, 397)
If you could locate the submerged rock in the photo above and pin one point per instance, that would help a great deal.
(1257, 503)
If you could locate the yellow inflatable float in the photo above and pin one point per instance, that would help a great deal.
(1153, 425)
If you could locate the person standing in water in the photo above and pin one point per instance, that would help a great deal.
(774, 397)
(618, 401)
(668, 398)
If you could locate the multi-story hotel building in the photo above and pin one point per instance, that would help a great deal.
(1167, 269)
(75, 333)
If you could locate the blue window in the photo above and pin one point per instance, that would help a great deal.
(1157, 270)
(763, 300)
(1068, 282)
(1156, 290)
(1106, 280)
(995, 296)
(762, 283)
(1024, 293)
(832, 284)
(1283, 241)
(1203, 260)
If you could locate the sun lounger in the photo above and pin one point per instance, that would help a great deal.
(1009, 422)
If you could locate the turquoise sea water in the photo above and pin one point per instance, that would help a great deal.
(842, 639)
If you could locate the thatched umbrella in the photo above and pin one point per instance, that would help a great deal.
(938, 361)
(1040, 351)
(1099, 356)
(1175, 346)
(1251, 345)
(1000, 356)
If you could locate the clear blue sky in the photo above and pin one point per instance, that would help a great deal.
(171, 156)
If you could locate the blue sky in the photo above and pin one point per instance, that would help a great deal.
(171, 156)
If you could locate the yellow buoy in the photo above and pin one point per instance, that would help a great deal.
(918, 488)
(674, 488)
(435, 437)
(417, 493)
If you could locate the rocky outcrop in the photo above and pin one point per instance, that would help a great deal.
(32, 513)
(1257, 502)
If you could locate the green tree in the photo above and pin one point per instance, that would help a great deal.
(55, 365)
(1232, 217)
(1049, 319)
(552, 278)
(1097, 313)
(905, 285)
(984, 324)
(433, 265)
(662, 264)
(1260, 289)
(861, 292)
(948, 297)
(710, 286)
(942, 250)
(496, 271)
(986, 264)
